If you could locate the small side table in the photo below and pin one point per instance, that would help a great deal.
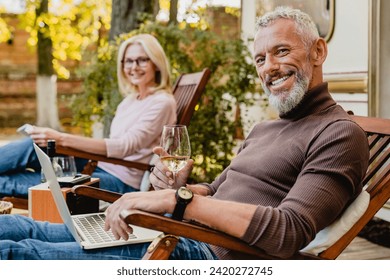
(41, 205)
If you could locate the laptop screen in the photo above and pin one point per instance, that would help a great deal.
(55, 189)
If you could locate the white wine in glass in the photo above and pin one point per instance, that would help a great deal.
(176, 143)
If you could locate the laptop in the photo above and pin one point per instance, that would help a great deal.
(87, 229)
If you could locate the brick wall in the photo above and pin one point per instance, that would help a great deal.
(18, 99)
(15, 56)
(18, 66)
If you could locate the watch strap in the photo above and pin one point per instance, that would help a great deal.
(178, 212)
(181, 203)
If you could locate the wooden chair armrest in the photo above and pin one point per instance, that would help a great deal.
(192, 231)
(17, 202)
(96, 193)
(82, 154)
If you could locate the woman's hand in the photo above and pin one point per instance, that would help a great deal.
(155, 202)
(162, 178)
(41, 135)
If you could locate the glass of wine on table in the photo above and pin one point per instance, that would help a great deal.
(176, 143)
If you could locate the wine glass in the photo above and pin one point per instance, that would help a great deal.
(63, 166)
(176, 143)
(67, 164)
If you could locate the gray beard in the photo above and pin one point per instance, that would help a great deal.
(285, 101)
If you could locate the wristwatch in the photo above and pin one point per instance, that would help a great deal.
(183, 198)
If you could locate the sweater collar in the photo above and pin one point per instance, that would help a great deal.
(315, 100)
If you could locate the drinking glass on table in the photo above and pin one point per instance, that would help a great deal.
(68, 165)
(176, 143)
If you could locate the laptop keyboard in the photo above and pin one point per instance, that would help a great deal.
(93, 227)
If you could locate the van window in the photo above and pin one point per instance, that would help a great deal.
(321, 11)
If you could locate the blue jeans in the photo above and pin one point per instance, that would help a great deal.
(24, 238)
(20, 169)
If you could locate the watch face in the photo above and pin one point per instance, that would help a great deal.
(185, 193)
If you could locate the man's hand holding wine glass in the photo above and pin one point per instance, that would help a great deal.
(162, 177)
(175, 164)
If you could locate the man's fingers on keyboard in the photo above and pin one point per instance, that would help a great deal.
(121, 234)
(129, 229)
(124, 230)
(116, 234)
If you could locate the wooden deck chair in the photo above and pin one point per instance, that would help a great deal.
(187, 91)
(377, 188)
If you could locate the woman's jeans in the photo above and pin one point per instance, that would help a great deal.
(24, 238)
(20, 169)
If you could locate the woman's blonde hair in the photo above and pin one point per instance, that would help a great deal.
(156, 54)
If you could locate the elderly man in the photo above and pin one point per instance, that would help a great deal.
(291, 178)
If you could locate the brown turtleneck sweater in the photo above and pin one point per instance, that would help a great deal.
(302, 170)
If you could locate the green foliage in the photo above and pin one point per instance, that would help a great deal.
(101, 94)
(71, 28)
(213, 126)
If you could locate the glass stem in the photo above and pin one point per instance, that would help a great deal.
(174, 178)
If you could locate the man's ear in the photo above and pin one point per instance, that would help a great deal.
(319, 52)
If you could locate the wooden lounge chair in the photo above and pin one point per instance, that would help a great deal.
(377, 182)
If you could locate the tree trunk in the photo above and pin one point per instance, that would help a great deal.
(125, 15)
(47, 107)
(173, 12)
(47, 111)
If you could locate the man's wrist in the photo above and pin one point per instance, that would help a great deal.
(62, 139)
(200, 189)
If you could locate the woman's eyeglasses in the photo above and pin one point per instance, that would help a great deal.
(140, 61)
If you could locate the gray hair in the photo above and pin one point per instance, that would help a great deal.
(306, 27)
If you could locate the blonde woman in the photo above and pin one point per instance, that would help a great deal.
(148, 104)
